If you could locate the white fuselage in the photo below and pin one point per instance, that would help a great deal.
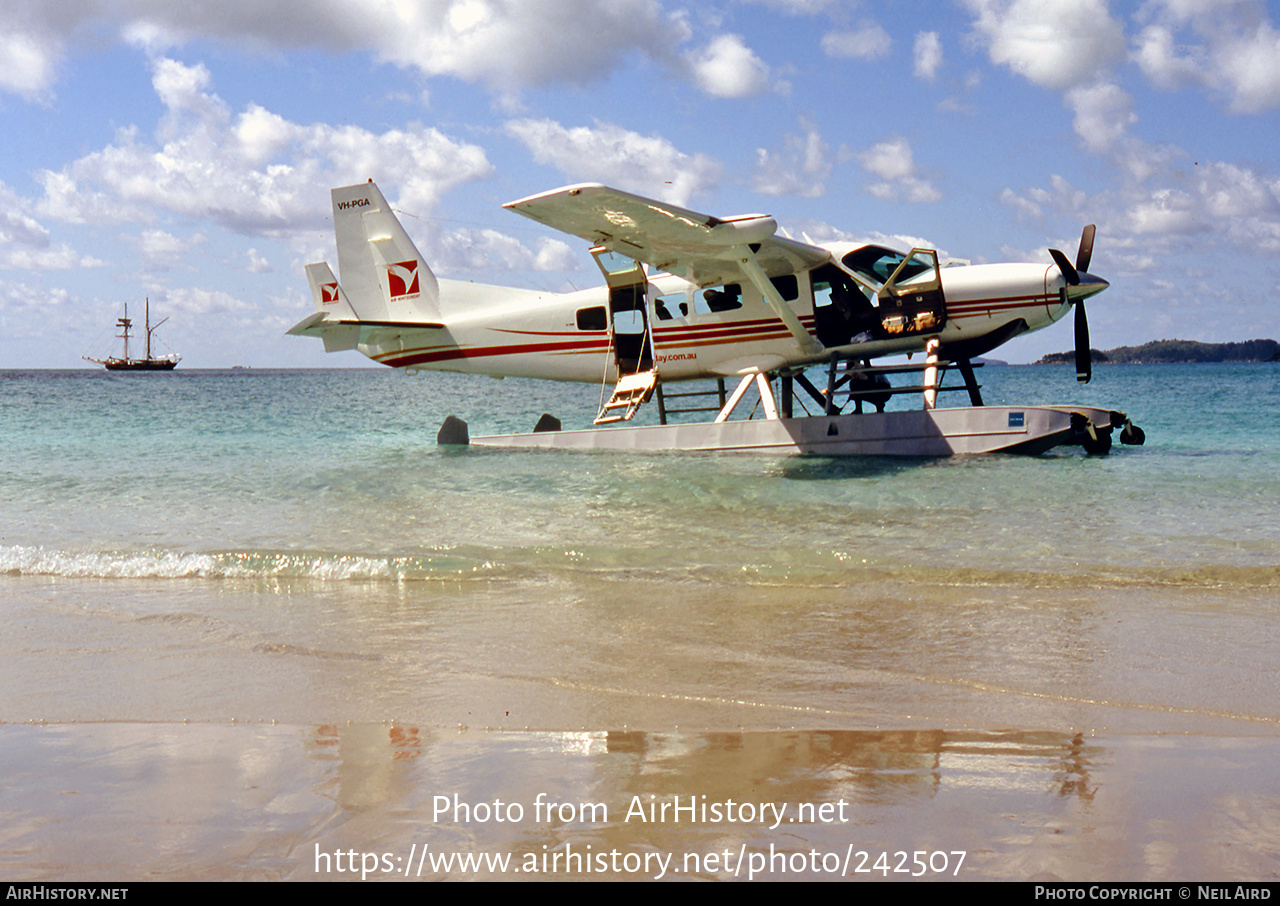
(580, 336)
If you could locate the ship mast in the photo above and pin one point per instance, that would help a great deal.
(124, 324)
(150, 328)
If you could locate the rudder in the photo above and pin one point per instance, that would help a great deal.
(383, 274)
(330, 300)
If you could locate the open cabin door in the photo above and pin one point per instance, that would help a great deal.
(628, 334)
(911, 301)
(628, 319)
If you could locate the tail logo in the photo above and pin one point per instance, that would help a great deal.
(329, 293)
(402, 279)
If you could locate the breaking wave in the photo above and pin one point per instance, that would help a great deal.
(809, 569)
(37, 561)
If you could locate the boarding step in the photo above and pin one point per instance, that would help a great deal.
(631, 393)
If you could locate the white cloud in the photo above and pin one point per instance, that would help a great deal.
(1056, 44)
(258, 264)
(870, 42)
(1250, 65)
(31, 314)
(800, 168)
(506, 44)
(1166, 211)
(890, 160)
(530, 42)
(59, 257)
(554, 255)
(26, 244)
(17, 296)
(196, 301)
(16, 226)
(801, 7)
(1232, 191)
(927, 55)
(1070, 46)
(162, 250)
(1061, 198)
(1160, 61)
(647, 164)
(28, 62)
(263, 135)
(1163, 207)
(1233, 50)
(257, 173)
(487, 249)
(1025, 206)
(727, 68)
(894, 163)
(1103, 112)
(181, 87)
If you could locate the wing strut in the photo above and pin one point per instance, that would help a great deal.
(761, 380)
(760, 280)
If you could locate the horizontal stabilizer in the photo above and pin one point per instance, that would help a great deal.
(339, 324)
(348, 334)
(310, 326)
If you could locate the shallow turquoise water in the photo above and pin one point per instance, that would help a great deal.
(337, 473)
(244, 615)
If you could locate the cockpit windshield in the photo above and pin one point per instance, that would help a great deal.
(877, 263)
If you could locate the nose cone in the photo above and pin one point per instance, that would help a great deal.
(1089, 285)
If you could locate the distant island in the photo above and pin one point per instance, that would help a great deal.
(1177, 351)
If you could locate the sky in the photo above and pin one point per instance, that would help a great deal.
(184, 152)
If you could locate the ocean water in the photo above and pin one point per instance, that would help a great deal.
(268, 602)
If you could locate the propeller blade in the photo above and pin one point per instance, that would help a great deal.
(1084, 357)
(1071, 275)
(1085, 254)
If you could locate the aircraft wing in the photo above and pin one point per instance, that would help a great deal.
(701, 248)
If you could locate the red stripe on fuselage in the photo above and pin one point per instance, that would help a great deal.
(970, 308)
(414, 357)
(695, 334)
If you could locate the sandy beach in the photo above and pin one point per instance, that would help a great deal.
(129, 801)
(238, 750)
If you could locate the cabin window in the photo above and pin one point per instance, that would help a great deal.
(878, 263)
(788, 287)
(592, 318)
(729, 297)
(673, 305)
(726, 298)
(615, 263)
(842, 309)
(628, 321)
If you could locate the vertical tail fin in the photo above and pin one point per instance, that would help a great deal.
(331, 302)
(382, 271)
(327, 295)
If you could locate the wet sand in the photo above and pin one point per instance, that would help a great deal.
(302, 731)
(133, 801)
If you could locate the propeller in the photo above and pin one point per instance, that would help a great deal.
(1071, 273)
(1084, 357)
(1085, 254)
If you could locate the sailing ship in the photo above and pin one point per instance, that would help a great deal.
(147, 362)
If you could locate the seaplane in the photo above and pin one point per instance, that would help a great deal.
(691, 297)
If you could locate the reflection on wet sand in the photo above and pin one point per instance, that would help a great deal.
(172, 801)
